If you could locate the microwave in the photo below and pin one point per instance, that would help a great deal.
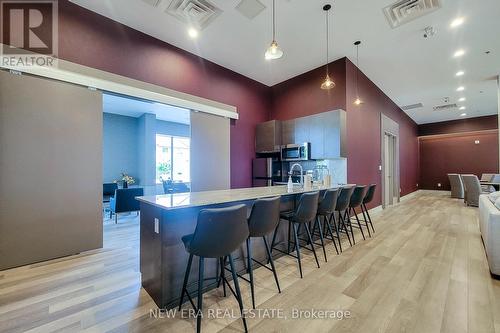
(296, 152)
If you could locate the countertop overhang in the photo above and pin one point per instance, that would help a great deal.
(207, 198)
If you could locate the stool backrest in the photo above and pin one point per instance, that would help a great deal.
(370, 193)
(264, 217)
(358, 195)
(308, 207)
(219, 231)
(329, 202)
(344, 198)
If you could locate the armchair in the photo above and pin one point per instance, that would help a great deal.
(124, 201)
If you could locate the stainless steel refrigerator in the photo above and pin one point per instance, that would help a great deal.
(265, 171)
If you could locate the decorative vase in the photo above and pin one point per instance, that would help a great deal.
(125, 184)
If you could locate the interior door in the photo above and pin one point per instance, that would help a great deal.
(210, 160)
(50, 169)
(390, 169)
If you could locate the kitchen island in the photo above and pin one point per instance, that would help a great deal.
(166, 218)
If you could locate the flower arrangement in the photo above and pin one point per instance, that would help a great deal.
(126, 179)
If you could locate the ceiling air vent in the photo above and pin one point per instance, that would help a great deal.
(250, 8)
(445, 107)
(411, 106)
(404, 11)
(199, 13)
(153, 3)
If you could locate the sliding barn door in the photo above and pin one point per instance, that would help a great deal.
(50, 169)
(210, 162)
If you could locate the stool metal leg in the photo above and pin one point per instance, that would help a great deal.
(318, 222)
(336, 226)
(186, 277)
(312, 245)
(296, 237)
(329, 229)
(222, 275)
(199, 309)
(238, 292)
(250, 271)
(270, 257)
(359, 223)
(366, 221)
(343, 226)
(347, 218)
(369, 218)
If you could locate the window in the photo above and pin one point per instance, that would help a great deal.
(172, 158)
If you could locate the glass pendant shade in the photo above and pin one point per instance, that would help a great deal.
(327, 83)
(273, 52)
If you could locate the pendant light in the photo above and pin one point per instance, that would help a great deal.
(328, 82)
(274, 51)
(358, 101)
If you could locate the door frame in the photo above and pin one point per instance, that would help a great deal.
(389, 126)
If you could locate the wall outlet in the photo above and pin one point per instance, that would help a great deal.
(379, 168)
(157, 225)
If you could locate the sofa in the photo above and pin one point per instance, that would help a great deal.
(489, 225)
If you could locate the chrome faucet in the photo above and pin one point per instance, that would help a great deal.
(301, 173)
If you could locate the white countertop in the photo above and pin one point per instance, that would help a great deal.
(196, 199)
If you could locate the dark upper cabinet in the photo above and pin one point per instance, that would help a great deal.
(316, 136)
(334, 134)
(302, 127)
(268, 136)
(288, 132)
(325, 131)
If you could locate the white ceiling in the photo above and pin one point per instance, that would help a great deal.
(132, 107)
(407, 67)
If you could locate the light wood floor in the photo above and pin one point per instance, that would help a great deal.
(424, 271)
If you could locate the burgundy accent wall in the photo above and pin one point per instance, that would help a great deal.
(364, 137)
(443, 154)
(461, 125)
(301, 96)
(93, 40)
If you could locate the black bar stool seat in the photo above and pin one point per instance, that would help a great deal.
(263, 219)
(218, 233)
(341, 208)
(305, 213)
(368, 198)
(356, 201)
(326, 209)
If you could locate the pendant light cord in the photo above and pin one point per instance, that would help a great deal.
(274, 21)
(327, 42)
(357, 70)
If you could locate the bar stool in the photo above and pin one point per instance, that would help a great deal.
(305, 213)
(218, 232)
(263, 219)
(368, 198)
(356, 200)
(326, 209)
(342, 207)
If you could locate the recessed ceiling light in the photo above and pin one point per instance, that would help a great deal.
(459, 53)
(460, 73)
(462, 108)
(192, 32)
(461, 88)
(462, 99)
(457, 22)
(463, 114)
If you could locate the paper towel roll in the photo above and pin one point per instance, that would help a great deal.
(327, 180)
